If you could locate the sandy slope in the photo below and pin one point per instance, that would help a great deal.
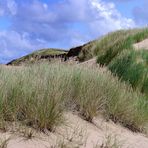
(142, 45)
(78, 133)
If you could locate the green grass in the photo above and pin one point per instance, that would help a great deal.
(31, 58)
(32, 96)
(108, 46)
(86, 52)
(114, 43)
(132, 66)
(38, 95)
(48, 52)
(116, 51)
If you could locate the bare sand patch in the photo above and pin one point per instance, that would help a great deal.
(141, 45)
(77, 132)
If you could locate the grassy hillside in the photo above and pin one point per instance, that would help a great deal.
(132, 66)
(108, 46)
(37, 55)
(113, 44)
(38, 95)
(83, 52)
(101, 45)
(116, 51)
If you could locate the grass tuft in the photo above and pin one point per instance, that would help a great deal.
(131, 66)
(37, 96)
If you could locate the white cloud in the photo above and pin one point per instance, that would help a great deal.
(108, 18)
(52, 22)
(13, 44)
(36, 24)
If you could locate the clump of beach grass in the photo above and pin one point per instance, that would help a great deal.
(38, 95)
(131, 66)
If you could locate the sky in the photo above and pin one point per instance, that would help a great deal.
(28, 25)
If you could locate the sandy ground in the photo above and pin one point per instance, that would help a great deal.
(141, 45)
(78, 133)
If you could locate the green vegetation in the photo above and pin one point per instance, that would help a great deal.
(116, 51)
(48, 52)
(86, 52)
(113, 44)
(38, 95)
(35, 56)
(108, 46)
(132, 66)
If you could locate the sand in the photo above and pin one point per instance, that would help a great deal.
(77, 132)
(141, 45)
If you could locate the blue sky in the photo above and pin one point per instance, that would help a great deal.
(28, 25)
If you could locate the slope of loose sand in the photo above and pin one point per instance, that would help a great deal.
(141, 45)
(79, 133)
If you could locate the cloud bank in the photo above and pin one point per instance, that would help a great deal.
(64, 23)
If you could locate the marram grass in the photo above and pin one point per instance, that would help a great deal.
(132, 66)
(38, 95)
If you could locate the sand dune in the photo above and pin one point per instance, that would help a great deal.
(77, 132)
